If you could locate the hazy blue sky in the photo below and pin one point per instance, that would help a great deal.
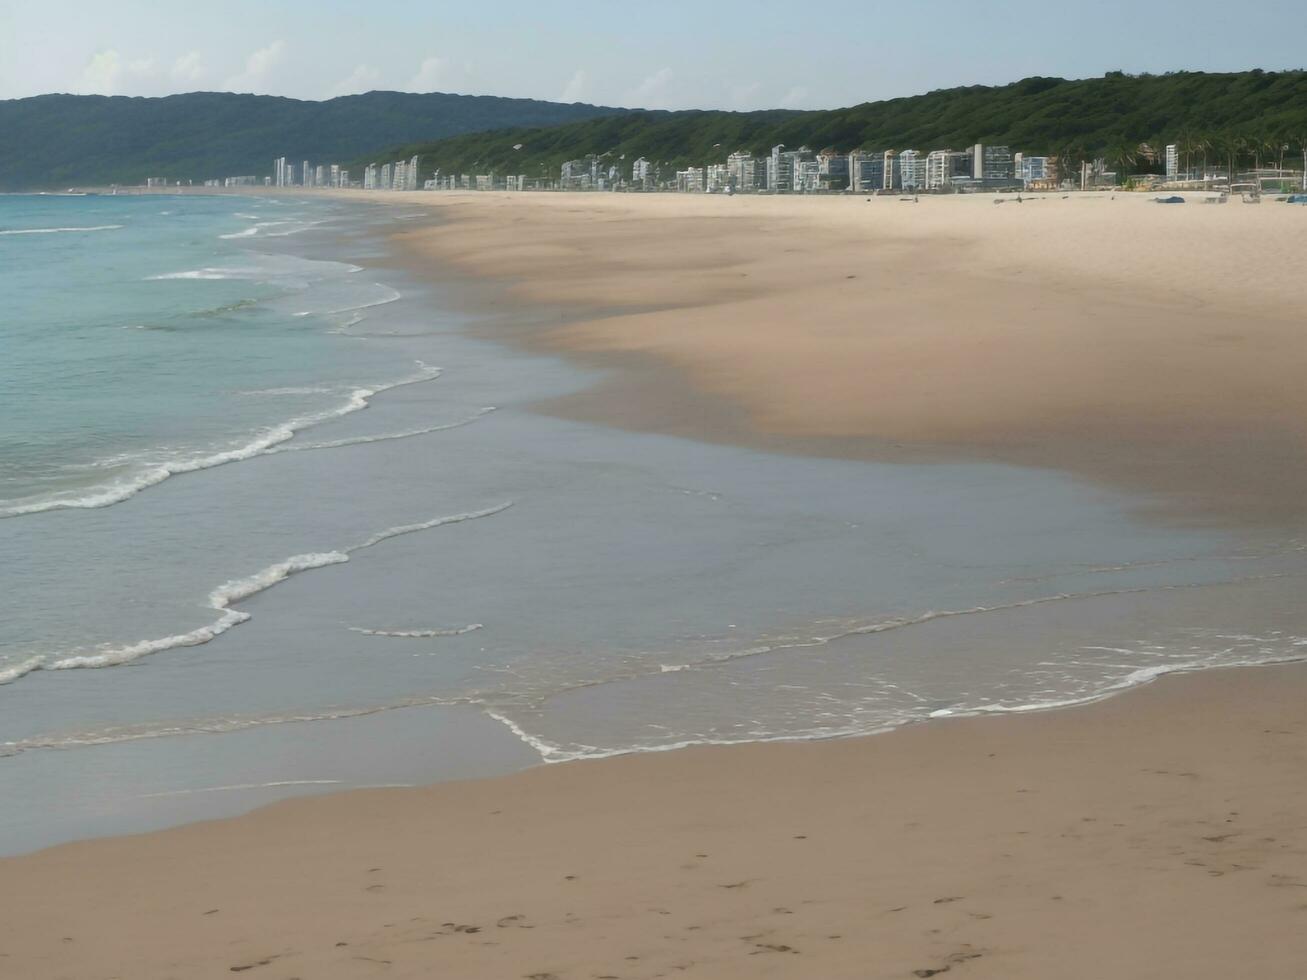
(739, 54)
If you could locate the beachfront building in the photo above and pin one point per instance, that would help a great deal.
(742, 169)
(912, 170)
(580, 175)
(945, 167)
(992, 164)
(748, 173)
(807, 176)
(890, 175)
(306, 174)
(719, 179)
(642, 174)
(1172, 161)
(1037, 173)
(866, 172)
(281, 171)
(832, 170)
(780, 172)
(691, 180)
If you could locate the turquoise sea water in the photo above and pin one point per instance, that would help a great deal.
(140, 338)
(272, 520)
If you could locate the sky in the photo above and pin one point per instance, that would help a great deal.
(730, 54)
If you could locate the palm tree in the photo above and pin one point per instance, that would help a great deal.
(1070, 157)
(1203, 146)
(1231, 148)
(1123, 157)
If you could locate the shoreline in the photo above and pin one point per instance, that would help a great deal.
(1116, 838)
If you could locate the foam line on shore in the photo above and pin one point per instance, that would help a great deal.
(392, 295)
(230, 593)
(269, 438)
(384, 437)
(58, 231)
(418, 633)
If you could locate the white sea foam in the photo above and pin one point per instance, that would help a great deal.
(384, 437)
(395, 532)
(222, 598)
(391, 295)
(300, 390)
(129, 486)
(418, 634)
(57, 231)
(13, 672)
(246, 233)
(212, 272)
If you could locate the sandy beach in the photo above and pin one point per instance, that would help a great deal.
(1155, 834)
(1160, 833)
(1154, 347)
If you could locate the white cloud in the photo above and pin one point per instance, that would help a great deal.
(794, 98)
(363, 78)
(576, 87)
(431, 75)
(108, 73)
(188, 67)
(258, 66)
(437, 74)
(103, 72)
(651, 93)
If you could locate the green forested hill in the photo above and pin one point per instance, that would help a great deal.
(1112, 115)
(57, 140)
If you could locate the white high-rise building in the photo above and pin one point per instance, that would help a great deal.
(642, 174)
(1172, 161)
(912, 170)
(890, 174)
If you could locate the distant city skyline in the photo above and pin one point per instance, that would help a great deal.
(729, 54)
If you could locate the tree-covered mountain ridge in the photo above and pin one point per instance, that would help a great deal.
(51, 141)
(1248, 113)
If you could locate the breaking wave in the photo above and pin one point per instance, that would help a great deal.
(261, 444)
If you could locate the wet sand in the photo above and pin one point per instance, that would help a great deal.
(1159, 833)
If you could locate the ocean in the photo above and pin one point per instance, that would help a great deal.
(276, 517)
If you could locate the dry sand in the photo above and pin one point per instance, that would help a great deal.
(1158, 834)
(1158, 347)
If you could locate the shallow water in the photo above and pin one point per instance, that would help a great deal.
(332, 545)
